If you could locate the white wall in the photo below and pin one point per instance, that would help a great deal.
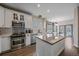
(66, 22)
(75, 29)
(37, 24)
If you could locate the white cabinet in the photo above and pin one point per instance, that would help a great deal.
(4, 44)
(28, 39)
(45, 49)
(11, 15)
(15, 15)
(28, 21)
(8, 17)
(0, 45)
(1, 16)
(21, 16)
(18, 16)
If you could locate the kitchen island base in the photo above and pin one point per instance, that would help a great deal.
(45, 49)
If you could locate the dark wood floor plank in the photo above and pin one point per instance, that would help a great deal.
(27, 51)
(70, 50)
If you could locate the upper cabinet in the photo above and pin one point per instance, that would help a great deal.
(18, 16)
(8, 17)
(21, 16)
(11, 15)
(1, 16)
(28, 21)
(15, 16)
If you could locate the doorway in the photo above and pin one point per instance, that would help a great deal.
(66, 30)
(69, 30)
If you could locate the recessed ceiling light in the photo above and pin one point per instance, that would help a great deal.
(48, 10)
(38, 5)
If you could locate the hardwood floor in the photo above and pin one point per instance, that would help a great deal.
(69, 50)
(26, 51)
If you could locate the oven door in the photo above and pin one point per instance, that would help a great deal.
(17, 42)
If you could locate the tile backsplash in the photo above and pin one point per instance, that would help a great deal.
(5, 31)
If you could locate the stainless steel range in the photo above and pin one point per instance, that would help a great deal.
(18, 36)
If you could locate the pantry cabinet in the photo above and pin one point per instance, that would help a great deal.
(1, 16)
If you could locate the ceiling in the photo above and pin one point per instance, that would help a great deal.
(51, 11)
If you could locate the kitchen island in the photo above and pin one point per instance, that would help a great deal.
(49, 46)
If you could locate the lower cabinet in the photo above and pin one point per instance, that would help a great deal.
(4, 44)
(28, 39)
(45, 49)
(0, 45)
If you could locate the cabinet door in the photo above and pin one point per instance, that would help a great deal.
(0, 45)
(33, 38)
(8, 17)
(28, 39)
(5, 43)
(15, 15)
(21, 17)
(1, 16)
(25, 19)
(28, 21)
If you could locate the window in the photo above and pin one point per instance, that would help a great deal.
(50, 28)
(34, 23)
(37, 23)
(61, 30)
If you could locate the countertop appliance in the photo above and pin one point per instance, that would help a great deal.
(29, 30)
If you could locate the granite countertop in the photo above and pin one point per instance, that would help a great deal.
(51, 40)
(5, 35)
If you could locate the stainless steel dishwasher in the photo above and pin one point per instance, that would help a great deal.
(33, 38)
